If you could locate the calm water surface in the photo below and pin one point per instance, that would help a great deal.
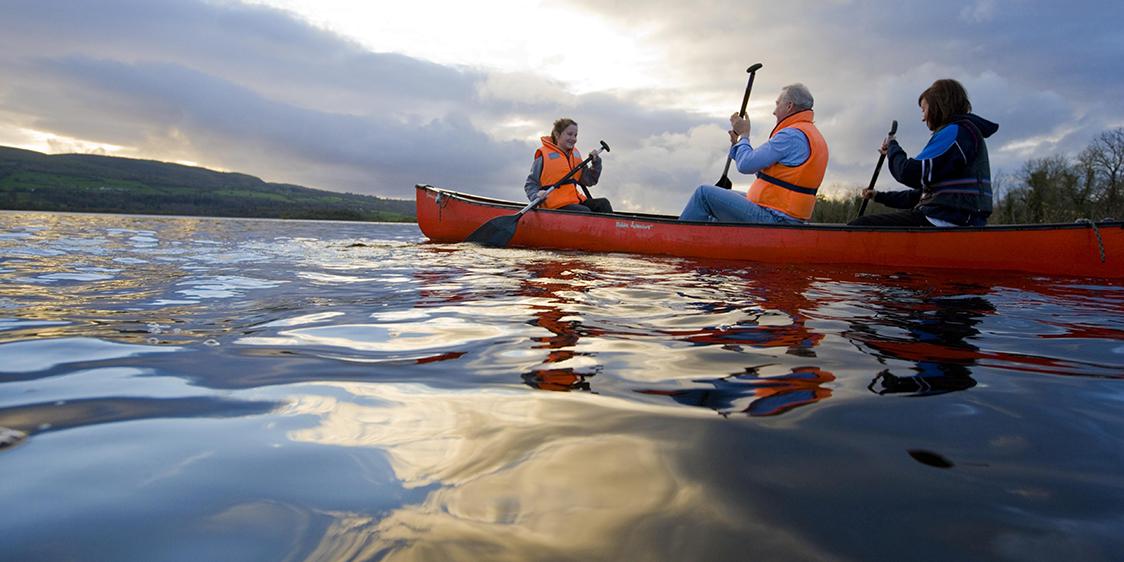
(205, 389)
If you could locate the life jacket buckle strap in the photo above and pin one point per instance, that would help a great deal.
(786, 185)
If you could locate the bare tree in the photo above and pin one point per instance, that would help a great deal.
(1108, 156)
(1089, 181)
(1061, 189)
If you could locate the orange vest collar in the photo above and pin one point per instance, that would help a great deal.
(548, 143)
(802, 116)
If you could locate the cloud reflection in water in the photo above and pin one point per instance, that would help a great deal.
(521, 476)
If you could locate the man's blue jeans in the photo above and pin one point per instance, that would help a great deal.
(711, 203)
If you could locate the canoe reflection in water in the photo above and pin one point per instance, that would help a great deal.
(554, 280)
(937, 329)
(756, 395)
(779, 302)
(565, 335)
(765, 308)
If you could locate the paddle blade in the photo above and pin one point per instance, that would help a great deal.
(724, 182)
(496, 232)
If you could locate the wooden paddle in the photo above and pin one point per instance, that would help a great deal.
(878, 168)
(499, 231)
(724, 182)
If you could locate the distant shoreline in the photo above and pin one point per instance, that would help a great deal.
(207, 217)
(87, 183)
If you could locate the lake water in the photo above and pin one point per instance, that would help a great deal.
(208, 389)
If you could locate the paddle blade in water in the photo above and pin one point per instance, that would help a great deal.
(496, 232)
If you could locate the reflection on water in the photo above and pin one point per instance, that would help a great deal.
(755, 395)
(556, 288)
(521, 478)
(267, 390)
(934, 332)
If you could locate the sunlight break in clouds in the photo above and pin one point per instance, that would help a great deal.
(43, 141)
(496, 35)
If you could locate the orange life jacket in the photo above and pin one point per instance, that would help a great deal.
(792, 189)
(556, 163)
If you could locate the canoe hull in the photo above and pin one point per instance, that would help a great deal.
(1060, 249)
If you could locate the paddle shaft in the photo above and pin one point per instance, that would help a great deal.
(878, 168)
(724, 181)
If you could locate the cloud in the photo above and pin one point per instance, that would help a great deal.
(982, 11)
(1021, 61)
(159, 107)
(257, 89)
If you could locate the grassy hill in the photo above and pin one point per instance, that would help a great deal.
(105, 184)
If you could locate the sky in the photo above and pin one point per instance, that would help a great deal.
(374, 97)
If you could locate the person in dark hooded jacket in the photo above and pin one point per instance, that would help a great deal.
(951, 177)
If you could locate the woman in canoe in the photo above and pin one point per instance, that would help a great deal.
(950, 179)
(553, 160)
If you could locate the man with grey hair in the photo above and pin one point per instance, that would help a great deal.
(789, 166)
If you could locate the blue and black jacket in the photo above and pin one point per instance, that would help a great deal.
(951, 177)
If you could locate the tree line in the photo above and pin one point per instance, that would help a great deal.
(67, 197)
(1056, 188)
(90, 183)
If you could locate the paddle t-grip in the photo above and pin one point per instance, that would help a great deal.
(752, 71)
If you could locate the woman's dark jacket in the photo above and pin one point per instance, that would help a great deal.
(951, 177)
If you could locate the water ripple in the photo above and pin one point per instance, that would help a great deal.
(307, 390)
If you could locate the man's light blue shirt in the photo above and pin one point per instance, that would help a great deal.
(789, 147)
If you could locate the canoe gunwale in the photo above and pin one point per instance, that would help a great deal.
(669, 219)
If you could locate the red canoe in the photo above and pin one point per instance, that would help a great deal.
(1080, 249)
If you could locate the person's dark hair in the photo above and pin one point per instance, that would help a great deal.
(559, 126)
(946, 97)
